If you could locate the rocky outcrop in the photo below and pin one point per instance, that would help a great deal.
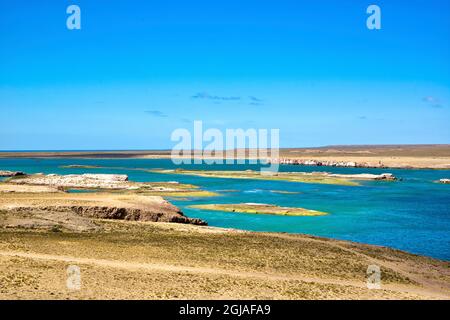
(119, 206)
(94, 181)
(327, 163)
(166, 213)
(106, 177)
(365, 176)
(386, 176)
(6, 173)
(106, 182)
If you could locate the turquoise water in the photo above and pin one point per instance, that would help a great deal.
(412, 214)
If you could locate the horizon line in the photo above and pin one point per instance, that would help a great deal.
(165, 150)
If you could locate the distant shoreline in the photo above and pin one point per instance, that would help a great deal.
(376, 156)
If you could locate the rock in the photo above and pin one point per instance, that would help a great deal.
(327, 163)
(101, 181)
(6, 173)
(386, 176)
(365, 176)
(96, 181)
(96, 206)
(107, 177)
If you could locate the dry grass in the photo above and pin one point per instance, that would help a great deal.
(161, 260)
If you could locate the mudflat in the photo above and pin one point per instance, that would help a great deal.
(303, 177)
(259, 208)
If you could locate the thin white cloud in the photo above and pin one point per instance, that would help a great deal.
(156, 113)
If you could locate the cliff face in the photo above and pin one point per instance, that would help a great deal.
(39, 200)
(326, 163)
(78, 211)
(165, 213)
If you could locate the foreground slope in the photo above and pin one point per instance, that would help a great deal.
(125, 248)
(147, 260)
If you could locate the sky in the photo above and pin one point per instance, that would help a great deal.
(138, 70)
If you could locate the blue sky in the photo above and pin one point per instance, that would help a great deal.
(137, 70)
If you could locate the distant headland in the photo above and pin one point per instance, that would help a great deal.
(426, 156)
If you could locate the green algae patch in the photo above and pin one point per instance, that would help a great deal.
(259, 208)
(303, 177)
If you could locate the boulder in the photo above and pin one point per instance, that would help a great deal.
(386, 176)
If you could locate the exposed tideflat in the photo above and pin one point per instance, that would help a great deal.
(304, 177)
(259, 208)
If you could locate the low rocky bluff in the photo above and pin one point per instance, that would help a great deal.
(105, 181)
(166, 212)
(327, 163)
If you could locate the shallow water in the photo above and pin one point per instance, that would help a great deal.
(412, 214)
